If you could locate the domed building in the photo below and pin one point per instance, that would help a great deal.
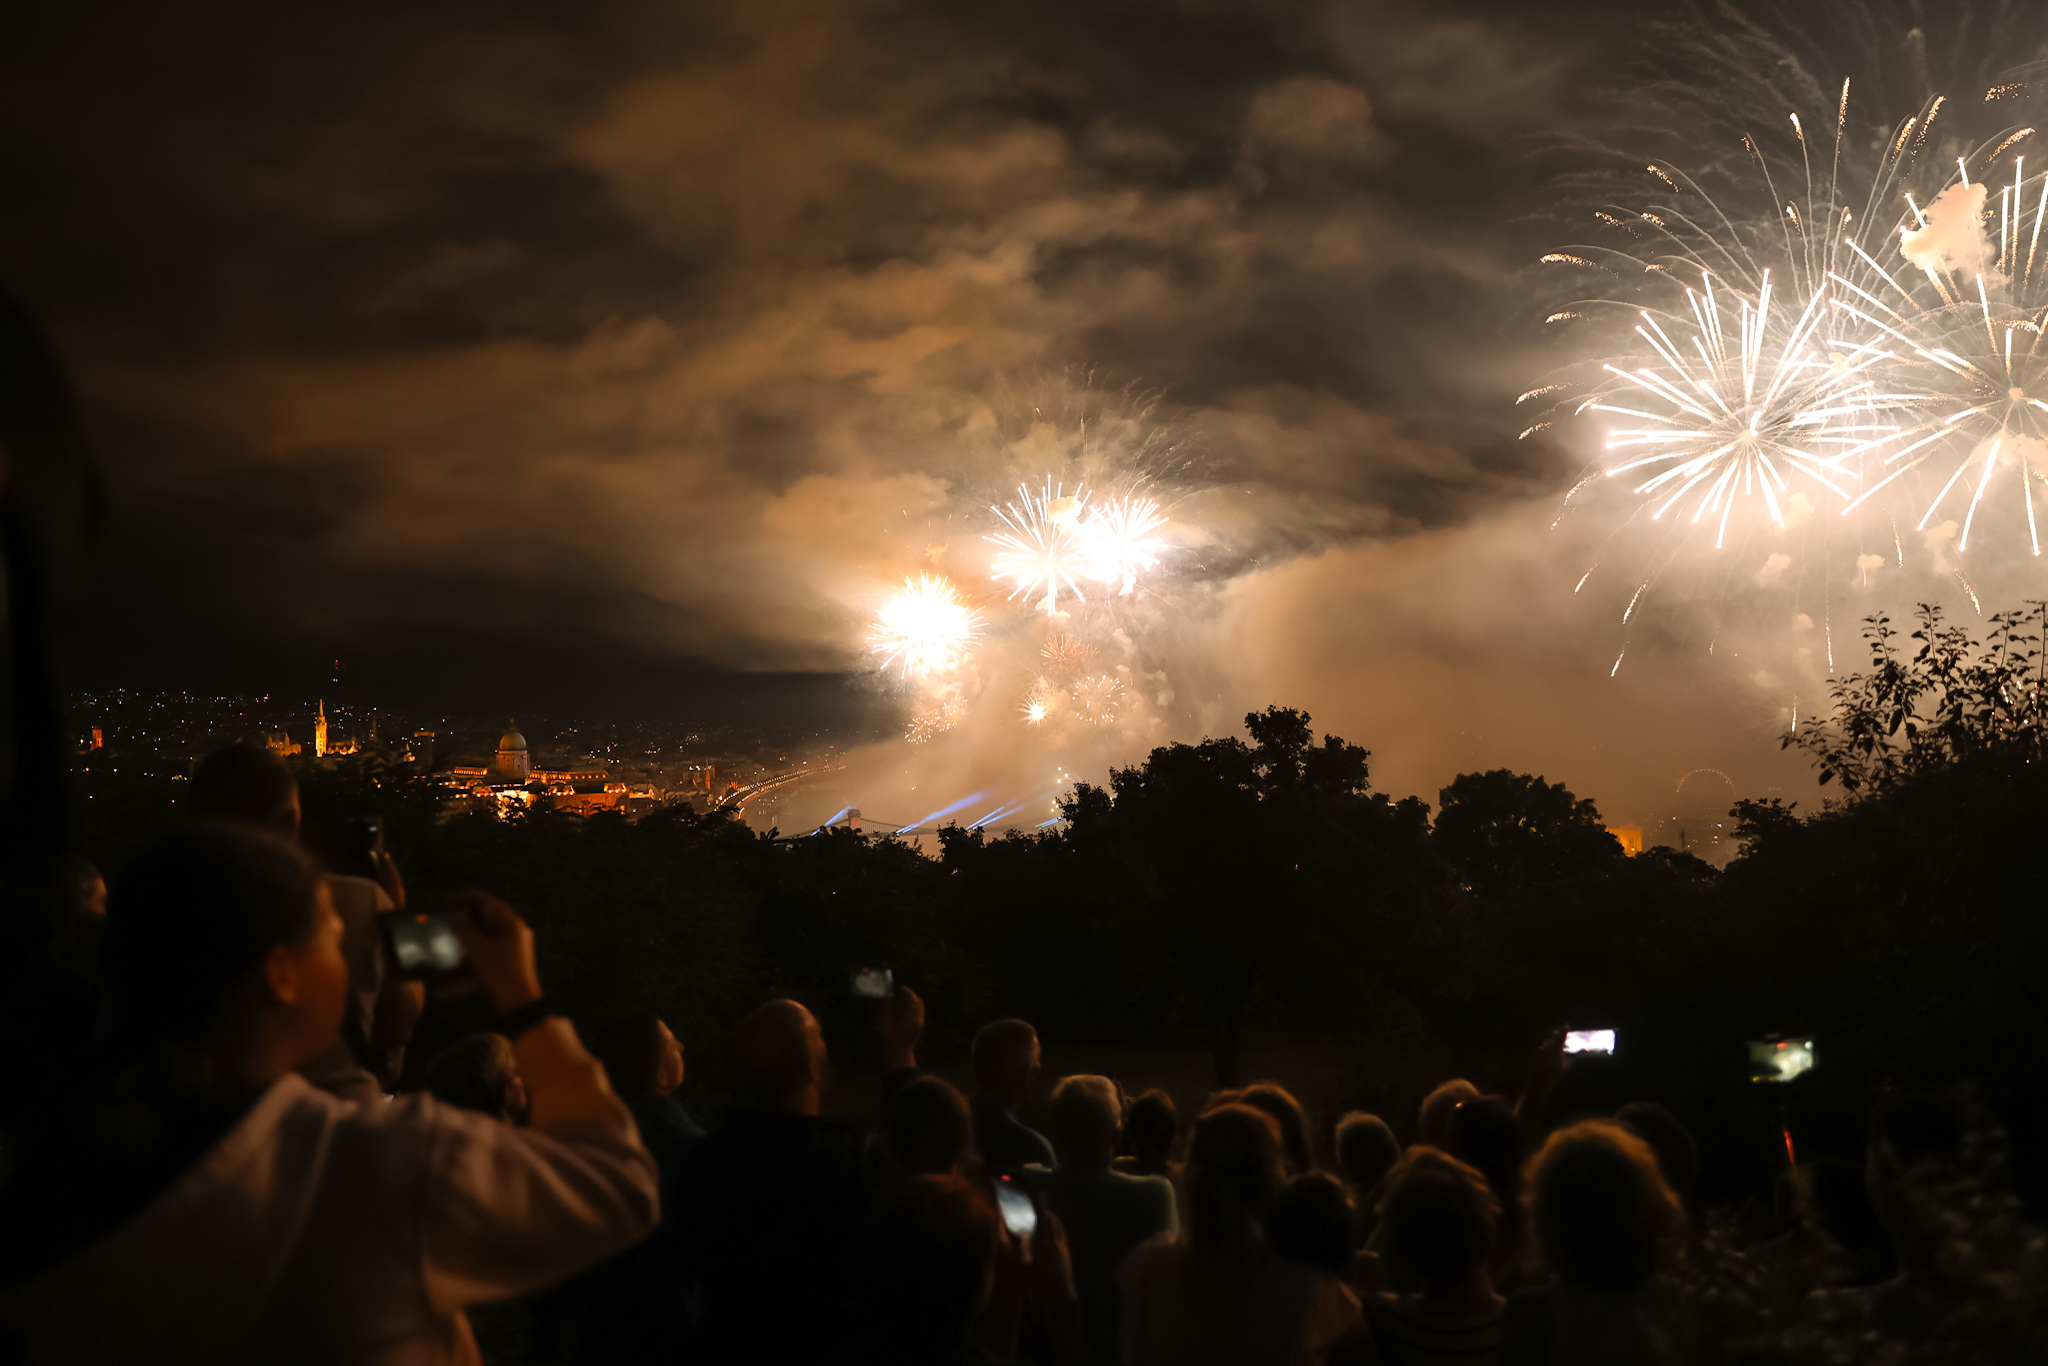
(515, 762)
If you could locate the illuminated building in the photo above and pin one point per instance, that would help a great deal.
(282, 745)
(320, 731)
(515, 762)
(512, 780)
(99, 739)
(1631, 837)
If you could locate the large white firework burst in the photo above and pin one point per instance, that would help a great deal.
(926, 629)
(1041, 552)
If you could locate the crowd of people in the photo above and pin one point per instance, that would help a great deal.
(242, 1177)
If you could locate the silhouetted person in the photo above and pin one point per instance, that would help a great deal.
(1366, 1151)
(1678, 1155)
(1218, 1292)
(1150, 1131)
(1607, 1226)
(1484, 1134)
(1006, 1062)
(212, 1205)
(927, 1129)
(1840, 1197)
(1312, 1222)
(1913, 1134)
(1433, 1121)
(1296, 1145)
(623, 1311)
(771, 1209)
(1437, 1221)
(1106, 1213)
(479, 1073)
(249, 785)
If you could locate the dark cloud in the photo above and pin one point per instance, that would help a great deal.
(679, 332)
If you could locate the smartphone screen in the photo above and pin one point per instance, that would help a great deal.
(421, 942)
(1020, 1216)
(874, 984)
(1780, 1059)
(1589, 1041)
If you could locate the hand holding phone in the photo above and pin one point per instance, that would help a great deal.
(499, 945)
(1020, 1216)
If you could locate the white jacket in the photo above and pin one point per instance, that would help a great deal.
(322, 1231)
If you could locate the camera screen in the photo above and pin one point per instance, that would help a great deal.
(1780, 1059)
(1589, 1041)
(874, 984)
(1020, 1216)
(422, 942)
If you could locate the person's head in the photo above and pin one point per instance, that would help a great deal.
(249, 785)
(641, 1056)
(1438, 1217)
(224, 941)
(1311, 1222)
(1482, 1133)
(927, 1128)
(1910, 1131)
(1434, 1121)
(1088, 1119)
(778, 1059)
(479, 1073)
(934, 1262)
(1151, 1128)
(1678, 1156)
(1277, 1101)
(1366, 1150)
(1602, 1214)
(1005, 1060)
(80, 888)
(1233, 1173)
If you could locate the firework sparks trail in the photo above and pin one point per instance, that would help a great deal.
(926, 629)
(1062, 654)
(1042, 553)
(1968, 310)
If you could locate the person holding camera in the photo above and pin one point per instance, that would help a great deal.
(201, 1201)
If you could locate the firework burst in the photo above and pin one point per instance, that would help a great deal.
(1969, 311)
(1119, 537)
(1041, 552)
(1062, 654)
(1100, 699)
(1755, 407)
(926, 629)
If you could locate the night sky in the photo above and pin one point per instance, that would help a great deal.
(620, 355)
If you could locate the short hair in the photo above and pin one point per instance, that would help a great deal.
(192, 917)
(1439, 1216)
(996, 1044)
(1678, 1155)
(1087, 1114)
(1312, 1222)
(1435, 1114)
(1152, 1126)
(631, 1050)
(937, 1238)
(771, 1053)
(241, 783)
(1277, 1101)
(474, 1073)
(1366, 1149)
(1603, 1215)
(927, 1127)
